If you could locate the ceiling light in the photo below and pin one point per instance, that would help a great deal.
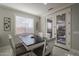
(45, 3)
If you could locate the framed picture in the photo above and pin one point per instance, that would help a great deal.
(7, 24)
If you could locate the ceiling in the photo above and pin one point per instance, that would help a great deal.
(34, 8)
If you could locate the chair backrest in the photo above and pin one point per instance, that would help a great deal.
(12, 44)
(50, 46)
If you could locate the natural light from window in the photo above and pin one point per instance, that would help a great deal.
(24, 25)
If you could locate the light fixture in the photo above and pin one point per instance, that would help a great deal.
(45, 3)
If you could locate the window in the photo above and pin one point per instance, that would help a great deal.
(49, 27)
(61, 29)
(24, 25)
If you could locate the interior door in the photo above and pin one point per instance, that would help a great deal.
(63, 28)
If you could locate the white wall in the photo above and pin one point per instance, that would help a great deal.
(75, 26)
(7, 12)
(3, 35)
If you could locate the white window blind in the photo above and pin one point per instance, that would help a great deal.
(24, 25)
